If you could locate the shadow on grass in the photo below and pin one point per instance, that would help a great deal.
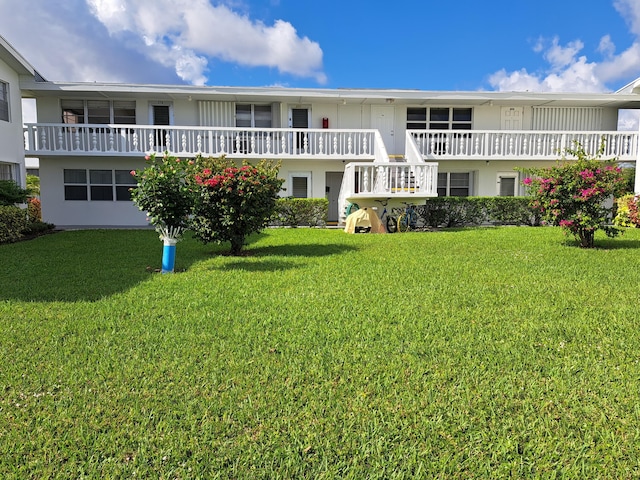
(619, 243)
(85, 265)
(260, 259)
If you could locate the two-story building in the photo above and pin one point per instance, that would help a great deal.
(347, 145)
(13, 67)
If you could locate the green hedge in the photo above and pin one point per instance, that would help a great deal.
(293, 212)
(13, 222)
(474, 211)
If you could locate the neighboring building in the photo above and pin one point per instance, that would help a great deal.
(344, 144)
(13, 68)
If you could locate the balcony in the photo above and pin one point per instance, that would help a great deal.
(133, 140)
(520, 144)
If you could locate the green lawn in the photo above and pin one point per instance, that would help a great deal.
(497, 352)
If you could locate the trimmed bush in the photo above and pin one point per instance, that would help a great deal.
(474, 211)
(11, 193)
(627, 214)
(13, 222)
(34, 210)
(294, 212)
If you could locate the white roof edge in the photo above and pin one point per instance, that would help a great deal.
(631, 87)
(13, 57)
(392, 94)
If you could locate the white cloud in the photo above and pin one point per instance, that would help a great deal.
(63, 41)
(191, 31)
(571, 71)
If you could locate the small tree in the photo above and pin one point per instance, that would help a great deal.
(233, 202)
(165, 193)
(577, 196)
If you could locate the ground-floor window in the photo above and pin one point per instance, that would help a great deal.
(7, 171)
(97, 185)
(300, 185)
(454, 184)
(507, 184)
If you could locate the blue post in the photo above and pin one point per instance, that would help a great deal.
(168, 255)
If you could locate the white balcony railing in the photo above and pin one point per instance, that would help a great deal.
(127, 140)
(377, 180)
(519, 144)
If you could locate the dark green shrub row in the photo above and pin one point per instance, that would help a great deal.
(294, 212)
(11, 193)
(473, 211)
(13, 222)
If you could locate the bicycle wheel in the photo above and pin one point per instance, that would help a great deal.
(413, 219)
(403, 223)
(392, 224)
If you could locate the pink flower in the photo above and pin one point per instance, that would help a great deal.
(527, 181)
(133, 173)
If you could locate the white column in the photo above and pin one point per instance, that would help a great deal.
(636, 188)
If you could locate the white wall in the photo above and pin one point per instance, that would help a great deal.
(65, 213)
(11, 136)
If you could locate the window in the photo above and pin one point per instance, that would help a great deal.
(452, 184)
(258, 116)
(507, 184)
(124, 182)
(4, 101)
(439, 118)
(101, 185)
(75, 184)
(7, 171)
(300, 185)
(99, 111)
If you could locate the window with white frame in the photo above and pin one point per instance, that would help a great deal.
(7, 171)
(507, 184)
(439, 118)
(300, 184)
(98, 185)
(4, 101)
(99, 111)
(250, 115)
(454, 184)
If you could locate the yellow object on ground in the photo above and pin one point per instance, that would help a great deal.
(365, 218)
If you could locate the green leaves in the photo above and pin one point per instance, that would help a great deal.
(574, 195)
(232, 202)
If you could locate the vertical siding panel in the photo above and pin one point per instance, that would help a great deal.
(216, 114)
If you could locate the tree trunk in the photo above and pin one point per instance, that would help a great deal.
(236, 244)
(586, 238)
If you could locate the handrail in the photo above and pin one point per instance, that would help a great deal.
(97, 139)
(515, 144)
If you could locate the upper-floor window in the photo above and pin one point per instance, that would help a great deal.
(258, 116)
(99, 111)
(4, 101)
(439, 118)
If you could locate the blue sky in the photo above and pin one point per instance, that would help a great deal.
(540, 45)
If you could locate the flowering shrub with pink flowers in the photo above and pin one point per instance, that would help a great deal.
(232, 202)
(577, 195)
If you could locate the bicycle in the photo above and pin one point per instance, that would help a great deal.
(390, 222)
(408, 220)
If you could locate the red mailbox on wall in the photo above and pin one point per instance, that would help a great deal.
(325, 122)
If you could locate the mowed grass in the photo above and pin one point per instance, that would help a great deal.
(497, 352)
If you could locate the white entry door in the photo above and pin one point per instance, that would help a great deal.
(383, 120)
(511, 118)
